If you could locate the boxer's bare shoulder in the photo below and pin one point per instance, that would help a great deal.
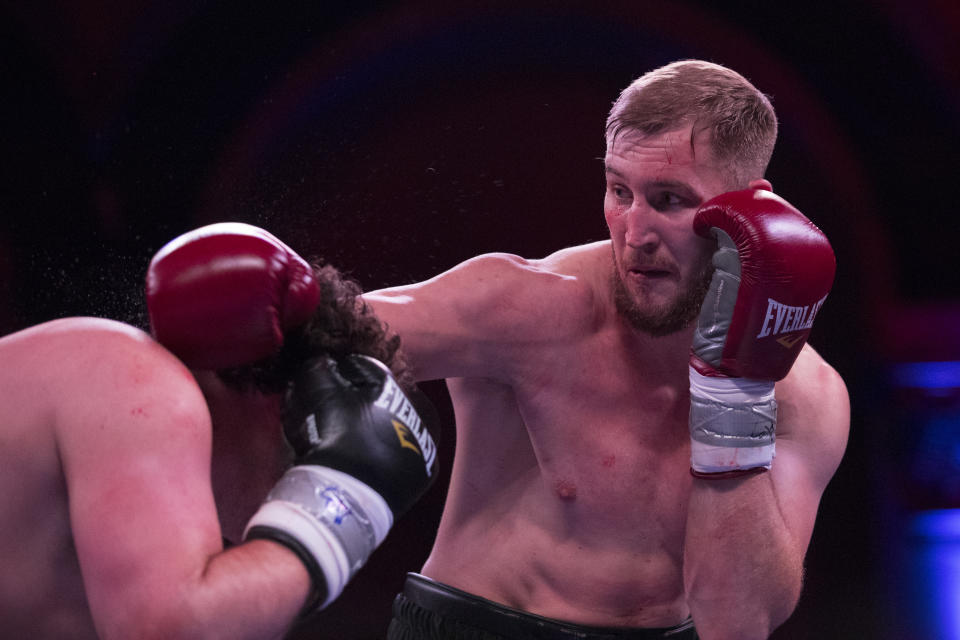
(474, 318)
(50, 349)
(589, 265)
(76, 404)
(54, 364)
(68, 370)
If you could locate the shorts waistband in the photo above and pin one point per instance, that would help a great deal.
(496, 618)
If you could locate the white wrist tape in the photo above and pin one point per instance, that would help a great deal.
(732, 423)
(336, 518)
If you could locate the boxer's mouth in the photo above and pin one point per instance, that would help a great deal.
(651, 272)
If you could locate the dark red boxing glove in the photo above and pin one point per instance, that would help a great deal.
(223, 295)
(776, 268)
(773, 271)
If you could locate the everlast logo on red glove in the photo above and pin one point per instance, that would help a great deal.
(773, 269)
(787, 319)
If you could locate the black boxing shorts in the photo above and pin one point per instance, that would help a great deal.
(429, 610)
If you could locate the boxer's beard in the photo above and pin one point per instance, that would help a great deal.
(662, 320)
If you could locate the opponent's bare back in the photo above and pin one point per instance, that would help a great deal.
(60, 375)
(105, 456)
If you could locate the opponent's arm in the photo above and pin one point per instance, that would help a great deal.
(751, 516)
(350, 425)
(133, 434)
(136, 445)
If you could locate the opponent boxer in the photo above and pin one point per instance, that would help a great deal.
(632, 460)
(108, 447)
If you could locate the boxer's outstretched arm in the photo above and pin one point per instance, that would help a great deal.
(134, 437)
(747, 536)
(447, 323)
(471, 320)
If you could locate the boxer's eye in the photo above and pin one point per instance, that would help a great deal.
(620, 192)
(666, 201)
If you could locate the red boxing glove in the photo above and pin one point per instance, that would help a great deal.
(773, 270)
(223, 295)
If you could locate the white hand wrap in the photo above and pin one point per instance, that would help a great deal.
(732, 424)
(333, 517)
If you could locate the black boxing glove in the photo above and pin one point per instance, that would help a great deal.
(363, 458)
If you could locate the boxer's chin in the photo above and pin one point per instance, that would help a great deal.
(665, 318)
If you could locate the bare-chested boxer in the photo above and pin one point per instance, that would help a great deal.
(614, 474)
(107, 448)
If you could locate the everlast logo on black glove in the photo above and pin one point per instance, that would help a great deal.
(407, 422)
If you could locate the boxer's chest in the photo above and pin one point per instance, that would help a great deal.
(610, 431)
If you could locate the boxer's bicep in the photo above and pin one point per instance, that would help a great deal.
(814, 420)
(135, 445)
(477, 318)
(465, 321)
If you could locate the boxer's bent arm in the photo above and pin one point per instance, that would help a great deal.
(466, 321)
(134, 438)
(747, 537)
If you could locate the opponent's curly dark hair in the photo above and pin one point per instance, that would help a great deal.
(341, 325)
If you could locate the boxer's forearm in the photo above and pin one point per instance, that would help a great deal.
(743, 568)
(253, 591)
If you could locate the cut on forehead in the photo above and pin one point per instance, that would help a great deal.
(676, 142)
(668, 161)
(685, 133)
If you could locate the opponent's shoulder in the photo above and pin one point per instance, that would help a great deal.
(76, 331)
(50, 348)
(90, 363)
(87, 344)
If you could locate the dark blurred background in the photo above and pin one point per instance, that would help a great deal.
(397, 139)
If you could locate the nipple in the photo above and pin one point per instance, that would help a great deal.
(566, 490)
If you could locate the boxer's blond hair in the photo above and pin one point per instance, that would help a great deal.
(741, 122)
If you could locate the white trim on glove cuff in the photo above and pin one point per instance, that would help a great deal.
(732, 423)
